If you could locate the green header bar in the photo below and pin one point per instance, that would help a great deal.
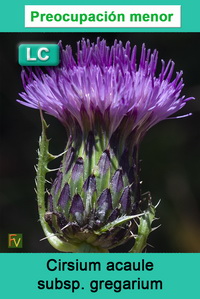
(13, 16)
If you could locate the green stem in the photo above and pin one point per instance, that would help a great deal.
(87, 248)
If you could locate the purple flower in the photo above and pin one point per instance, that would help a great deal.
(107, 79)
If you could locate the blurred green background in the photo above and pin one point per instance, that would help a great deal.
(169, 153)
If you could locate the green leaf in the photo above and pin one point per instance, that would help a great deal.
(144, 229)
(118, 221)
(43, 159)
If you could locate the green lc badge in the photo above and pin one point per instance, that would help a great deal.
(38, 54)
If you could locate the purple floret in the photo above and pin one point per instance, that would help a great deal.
(108, 80)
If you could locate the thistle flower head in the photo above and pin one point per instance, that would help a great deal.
(108, 80)
(107, 101)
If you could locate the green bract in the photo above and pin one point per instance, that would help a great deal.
(88, 216)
